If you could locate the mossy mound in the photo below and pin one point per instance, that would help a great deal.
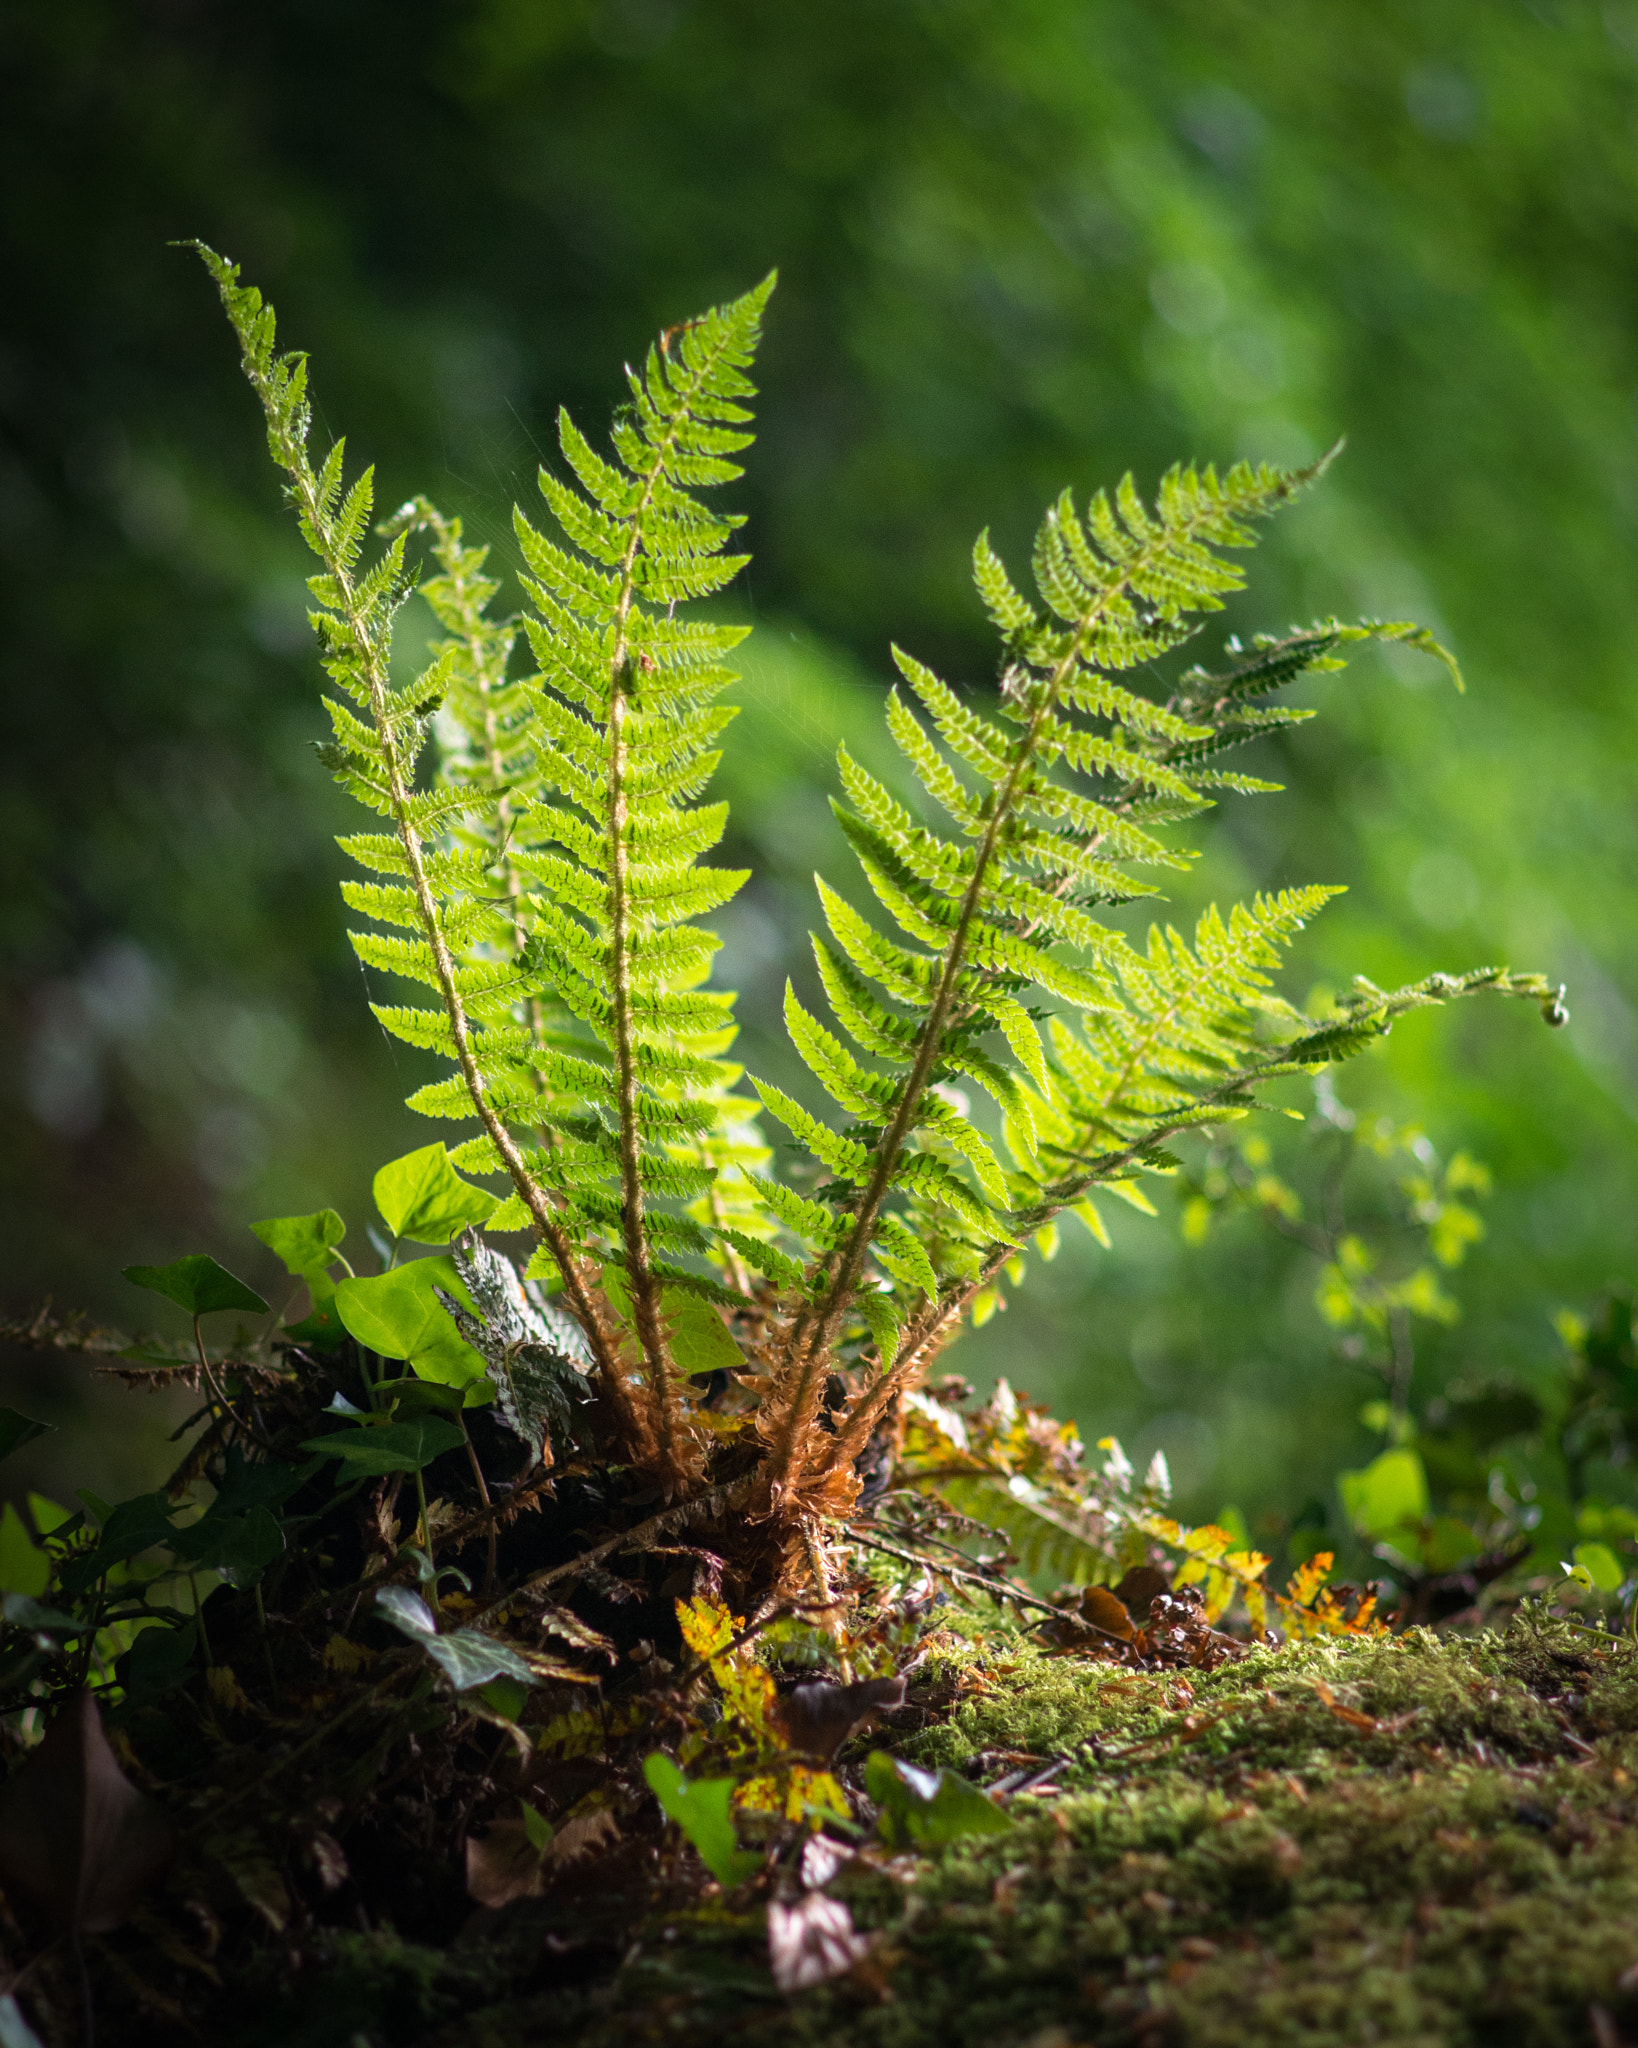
(1406, 1841)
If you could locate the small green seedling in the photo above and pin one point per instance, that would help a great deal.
(701, 1809)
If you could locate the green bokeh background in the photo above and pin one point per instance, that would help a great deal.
(1020, 246)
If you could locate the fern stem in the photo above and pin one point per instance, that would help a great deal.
(633, 1229)
(280, 387)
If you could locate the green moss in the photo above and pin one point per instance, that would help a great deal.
(1443, 1854)
(345, 1987)
(1252, 1866)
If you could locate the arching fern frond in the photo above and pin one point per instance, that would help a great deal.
(625, 707)
(1052, 802)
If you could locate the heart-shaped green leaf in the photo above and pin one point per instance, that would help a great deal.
(699, 1337)
(131, 1527)
(390, 1446)
(697, 1334)
(421, 1196)
(159, 1660)
(306, 1244)
(199, 1285)
(321, 1329)
(399, 1315)
(466, 1656)
(21, 1610)
(240, 1547)
(1601, 1565)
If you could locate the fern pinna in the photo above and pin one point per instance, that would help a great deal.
(548, 884)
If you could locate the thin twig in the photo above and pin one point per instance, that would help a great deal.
(483, 1491)
(219, 1394)
(1001, 1589)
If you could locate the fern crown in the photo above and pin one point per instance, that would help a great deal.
(545, 888)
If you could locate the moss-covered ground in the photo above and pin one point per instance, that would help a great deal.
(1411, 1841)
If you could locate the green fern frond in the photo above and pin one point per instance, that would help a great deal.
(545, 887)
(1056, 794)
(625, 708)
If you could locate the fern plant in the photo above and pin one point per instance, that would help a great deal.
(547, 889)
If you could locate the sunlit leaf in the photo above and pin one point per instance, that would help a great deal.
(1601, 1565)
(700, 1807)
(306, 1244)
(399, 1315)
(421, 1196)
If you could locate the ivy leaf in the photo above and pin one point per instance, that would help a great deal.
(22, 1611)
(399, 1315)
(700, 1341)
(240, 1547)
(133, 1526)
(158, 1661)
(267, 1483)
(304, 1243)
(17, 1430)
(928, 1807)
(199, 1285)
(701, 1809)
(321, 1328)
(1601, 1565)
(466, 1656)
(698, 1336)
(389, 1447)
(421, 1196)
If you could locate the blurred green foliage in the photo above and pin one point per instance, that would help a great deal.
(1020, 247)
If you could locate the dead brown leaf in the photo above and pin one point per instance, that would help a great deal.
(77, 1839)
(1352, 1715)
(588, 1834)
(818, 1718)
(503, 1865)
(1104, 1610)
(329, 1860)
(1140, 1588)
